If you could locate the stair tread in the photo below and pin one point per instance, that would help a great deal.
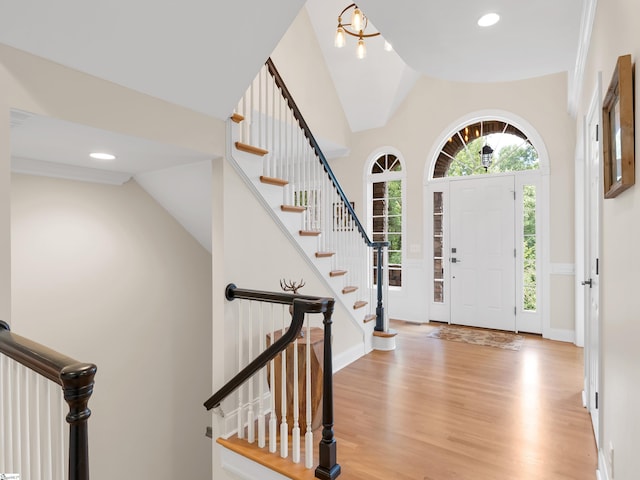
(337, 273)
(369, 318)
(388, 334)
(359, 304)
(292, 208)
(310, 233)
(324, 254)
(251, 149)
(284, 466)
(349, 289)
(278, 182)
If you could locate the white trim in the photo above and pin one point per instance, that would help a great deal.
(562, 269)
(244, 468)
(560, 335)
(41, 168)
(230, 419)
(347, 357)
(602, 473)
(576, 77)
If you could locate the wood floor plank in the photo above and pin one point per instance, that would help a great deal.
(441, 410)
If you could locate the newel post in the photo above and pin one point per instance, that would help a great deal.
(379, 307)
(328, 467)
(77, 386)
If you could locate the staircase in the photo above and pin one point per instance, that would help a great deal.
(273, 150)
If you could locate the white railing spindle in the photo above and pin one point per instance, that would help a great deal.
(308, 436)
(273, 418)
(251, 429)
(261, 347)
(240, 366)
(295, 434)
(284, 427)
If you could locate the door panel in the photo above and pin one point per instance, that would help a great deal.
(482, 254)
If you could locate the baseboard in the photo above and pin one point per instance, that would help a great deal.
(602, 473)
(560, 335)
(347, 357)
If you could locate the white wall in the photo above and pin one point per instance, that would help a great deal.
(5, 200)
(418, 127)
(105, 275)
(616, 33)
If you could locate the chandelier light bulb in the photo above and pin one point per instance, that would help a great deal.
(340, 38)
(357, 21)
(361, 50)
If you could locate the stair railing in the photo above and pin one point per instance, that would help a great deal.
(271, 337)
(273, 126)
(32, 412)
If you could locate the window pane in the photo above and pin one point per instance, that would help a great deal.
(529, 248)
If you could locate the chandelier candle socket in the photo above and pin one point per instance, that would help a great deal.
(356, 28)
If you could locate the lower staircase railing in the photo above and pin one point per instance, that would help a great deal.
(32, 412)
(285, 376)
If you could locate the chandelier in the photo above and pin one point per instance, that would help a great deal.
(356, 28)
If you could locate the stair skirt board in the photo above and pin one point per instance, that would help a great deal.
(245, 468)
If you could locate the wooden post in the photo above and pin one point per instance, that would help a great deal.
(328, 467)
(77, 385)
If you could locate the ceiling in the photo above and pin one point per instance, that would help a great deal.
(195, 53)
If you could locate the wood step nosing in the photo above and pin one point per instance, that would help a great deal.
(337, 273)
(369, 318)
(292, 208)
(349, 289)
(236, 118)
(309, 233)
(359, 304)
(251, 149)
(278, 182)
(324, 254)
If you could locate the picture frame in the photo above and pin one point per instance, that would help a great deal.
(618, 130)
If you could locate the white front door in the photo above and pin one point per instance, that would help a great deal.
(592, 267)
(482, 252)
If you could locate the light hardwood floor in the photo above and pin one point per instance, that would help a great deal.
(442, 410)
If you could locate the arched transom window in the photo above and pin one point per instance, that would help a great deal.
(487, 146)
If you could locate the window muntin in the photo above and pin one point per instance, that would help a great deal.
(386, 213)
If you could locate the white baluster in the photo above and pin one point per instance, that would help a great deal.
(284, 427)
(308, 436)
(296, 413)
(273, 418)
(4, 385)
(47, 468)
(37, 440)
(61, 440)
(240, 366)
(17, 401)
(25, 427)
(261, 374)
(251, 429)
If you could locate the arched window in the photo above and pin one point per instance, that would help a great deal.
(385, 179)
(487, 146)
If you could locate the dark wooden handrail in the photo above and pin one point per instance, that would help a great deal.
(328, 467)
(76, 380)
(323, 160)
(301, 304)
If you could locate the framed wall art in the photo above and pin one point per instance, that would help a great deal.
(618, 130)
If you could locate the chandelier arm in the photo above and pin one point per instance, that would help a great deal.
(347, 8)
(359, 35)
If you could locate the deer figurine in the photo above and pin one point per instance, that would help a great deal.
(292, 286)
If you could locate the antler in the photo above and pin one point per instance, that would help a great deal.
(291, 286)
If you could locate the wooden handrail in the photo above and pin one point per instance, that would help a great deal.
(301, 304)
(323, 160)
(75, 378)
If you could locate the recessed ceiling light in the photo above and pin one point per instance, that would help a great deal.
(102, 156)
(489, 19)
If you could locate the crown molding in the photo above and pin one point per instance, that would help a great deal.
(41, 168)
(576, 77)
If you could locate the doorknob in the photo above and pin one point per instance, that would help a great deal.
(587, 282)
